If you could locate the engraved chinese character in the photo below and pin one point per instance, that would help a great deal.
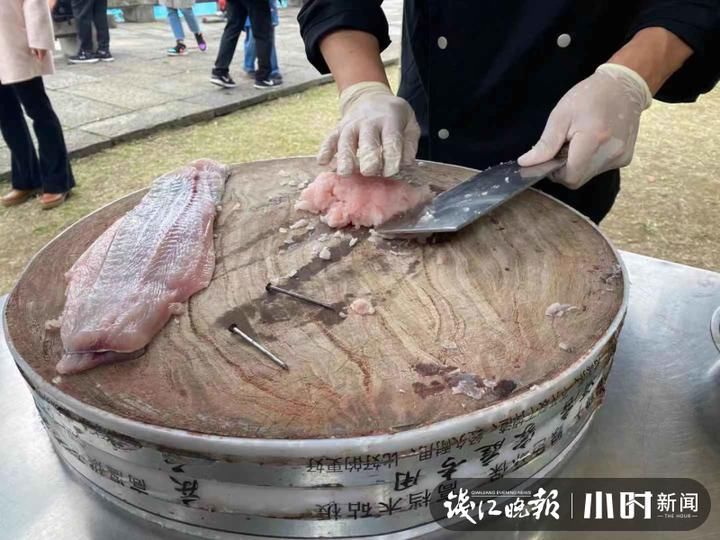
(538, 447)
(390, 460)
(115, 475)
(445, 488)
(443, 447)
(450, 467)
(523, 438)
(96, 466)
(521, 459)
(474, 437)
(187, 489)
(372, 462)
(420, 499)
(463, 506)
(459, 442)
(392, 505)
(490, 452)
(556, 435)
(137, 484)
(406, 480)
(333, 464)
(315, 465)
(425, 452)
(498, 470)
(360, 509)
(567, 407)
(354, 463)
(328, 511)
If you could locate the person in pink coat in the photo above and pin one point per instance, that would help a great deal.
(26, 45)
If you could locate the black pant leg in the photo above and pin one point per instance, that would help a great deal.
(594, 199)
(83, 13)
(55, 172)
(101, 24)
(25, 166)
(262, 29)
(236, 15)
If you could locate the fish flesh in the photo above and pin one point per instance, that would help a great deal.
(360, 200)
(125, 287)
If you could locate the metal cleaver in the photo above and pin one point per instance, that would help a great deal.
(459, 206)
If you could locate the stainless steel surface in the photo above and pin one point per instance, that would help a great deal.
(660, 418)
(235, 330)
(468, 201)
(715, 328)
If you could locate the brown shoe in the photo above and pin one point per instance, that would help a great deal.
(52, 200)
(17, 196)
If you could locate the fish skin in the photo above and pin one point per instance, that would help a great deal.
(121, 292)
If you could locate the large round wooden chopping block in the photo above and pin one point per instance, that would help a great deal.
(475, 301)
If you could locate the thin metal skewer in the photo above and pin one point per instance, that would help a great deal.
(235, 330)
(270, 287)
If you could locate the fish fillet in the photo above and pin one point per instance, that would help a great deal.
(359, 200)
(130, 281)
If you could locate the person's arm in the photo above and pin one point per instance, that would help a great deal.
(655, 54)
(377, 131)
(38, 24)
(353, 56)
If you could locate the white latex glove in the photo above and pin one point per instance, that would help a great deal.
(600, 117)
(377, 132)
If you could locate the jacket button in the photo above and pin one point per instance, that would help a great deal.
(443, 133)
(442, 42)
(563, 40)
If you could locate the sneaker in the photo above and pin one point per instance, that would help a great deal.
(202, 45)
(104, 55)
(223, 79)
(270, 83)
(277, 78)
(83, 57)
(180, 49)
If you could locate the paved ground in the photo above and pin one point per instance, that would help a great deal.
(144, 89)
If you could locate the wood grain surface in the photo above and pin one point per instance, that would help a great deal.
(475, 301)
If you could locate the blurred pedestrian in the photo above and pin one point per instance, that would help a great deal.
(251, 52)
(261, 23)
(88, 13)
(26, 45)
(186, 7)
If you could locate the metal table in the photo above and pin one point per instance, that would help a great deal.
(661, 418)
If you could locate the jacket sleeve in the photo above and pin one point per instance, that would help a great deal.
(318, 18)
(38, 24)
(697, 23)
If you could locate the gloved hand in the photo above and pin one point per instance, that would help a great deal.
(600, 117)
(377, 132)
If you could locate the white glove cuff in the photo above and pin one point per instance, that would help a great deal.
(351, 94)
(617, 70)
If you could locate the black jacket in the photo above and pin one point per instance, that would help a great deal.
(506, 64)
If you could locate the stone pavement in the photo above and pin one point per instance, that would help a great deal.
(145, 90)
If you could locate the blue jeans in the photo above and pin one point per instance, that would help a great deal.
(250, 55)
(176, 25)
(250, 52)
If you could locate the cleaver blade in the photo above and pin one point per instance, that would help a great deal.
(459, 206)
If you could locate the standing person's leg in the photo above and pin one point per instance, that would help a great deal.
(56, 174)
(194, 26)
(236, 15)
(180, 49)
(249, 51)
(260, 20)
(83, 13)
(25, 174)
(100, 16)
